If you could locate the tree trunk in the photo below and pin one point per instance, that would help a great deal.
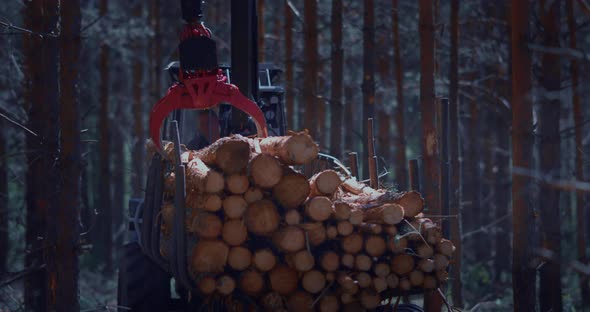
(523, 275)
(578, 125)
(157, 51)
(105, 244)
(349, 119)
(41, 86)
(455, 203)
(336, 105)
(401, 172)
(260, 13)
(368, 84)
(430, 147)
(289, 61)
(138, 112)
(313, 111)
(63, 220)
(4, 241)
(550, 273)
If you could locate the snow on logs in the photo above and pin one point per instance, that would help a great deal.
(257, 226)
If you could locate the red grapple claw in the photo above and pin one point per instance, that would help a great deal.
(203, 93)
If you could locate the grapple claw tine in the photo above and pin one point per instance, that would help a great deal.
(174, 99)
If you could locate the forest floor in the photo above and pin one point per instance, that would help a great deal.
(97, 293)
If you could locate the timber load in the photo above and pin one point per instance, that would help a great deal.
(256, 226)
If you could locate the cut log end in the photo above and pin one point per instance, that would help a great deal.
(325, 183)
(291, 191)
(265, 170)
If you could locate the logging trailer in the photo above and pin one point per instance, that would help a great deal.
(147, 281)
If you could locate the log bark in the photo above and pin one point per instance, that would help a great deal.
(325, 183)
(207, 202)
(265, 170)
(297, 148)
(230, 154)
(411, 201)
(209, 256)
(385, 214)
(262, 217)
(292, 190)
(202, 179)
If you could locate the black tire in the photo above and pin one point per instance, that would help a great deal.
(142, 285)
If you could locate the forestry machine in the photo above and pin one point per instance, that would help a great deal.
(198, 83)
(146, 279)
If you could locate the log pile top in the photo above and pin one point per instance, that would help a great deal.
(257, 226)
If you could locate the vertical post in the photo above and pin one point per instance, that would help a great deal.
(244, 54)
(414, 170)
(443, 106)
(354, 167)
(374, 177)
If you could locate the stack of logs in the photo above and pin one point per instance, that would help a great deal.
(328, 243)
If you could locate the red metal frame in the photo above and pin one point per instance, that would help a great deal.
(202, 90)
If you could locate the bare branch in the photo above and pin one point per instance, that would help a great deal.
(9, 25)
(567, 52)
(565, 185)
(294, 10)
(18, 124)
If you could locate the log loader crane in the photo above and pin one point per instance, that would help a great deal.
(147, 281)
